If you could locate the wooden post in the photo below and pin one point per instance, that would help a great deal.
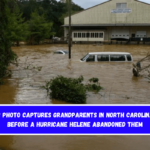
(69, 37)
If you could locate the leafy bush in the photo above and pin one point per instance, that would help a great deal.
(68, 89)
(94, 85)
(71, 90)
(95, 80)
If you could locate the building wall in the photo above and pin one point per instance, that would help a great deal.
(127, 23)
(90, 35)
(101, 14)
(132, 30)
(109, 31)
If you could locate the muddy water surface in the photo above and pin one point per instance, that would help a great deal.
(120, 87)
(116, 78)
(75, 142)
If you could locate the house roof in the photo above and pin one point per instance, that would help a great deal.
(102, 4)
(90, 7)
(142, 2)
(105, 25)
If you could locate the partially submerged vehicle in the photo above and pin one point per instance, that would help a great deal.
(61, 52)
(107, 57)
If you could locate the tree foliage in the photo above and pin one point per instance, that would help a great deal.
(6, 54)
(53, 10)
(17, 27)
(39, 28)
(31, 19)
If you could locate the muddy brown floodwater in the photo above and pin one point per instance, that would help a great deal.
(120, 87)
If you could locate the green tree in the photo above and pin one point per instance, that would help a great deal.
(6, 54)
(27, 8)
(54, 12)
(17, 27)
(39, 28)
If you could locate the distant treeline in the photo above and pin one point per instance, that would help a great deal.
(34, 21)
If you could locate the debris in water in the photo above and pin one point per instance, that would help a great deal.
(137, 68)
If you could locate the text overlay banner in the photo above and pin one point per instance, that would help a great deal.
(74, 119)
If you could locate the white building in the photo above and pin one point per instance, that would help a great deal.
(111, 20)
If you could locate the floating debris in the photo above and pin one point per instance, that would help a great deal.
(137, 68)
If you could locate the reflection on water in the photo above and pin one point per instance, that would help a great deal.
(116, 78)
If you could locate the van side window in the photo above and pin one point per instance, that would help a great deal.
(91, 58)
(129, 58)
(102, 57)
(117, 58)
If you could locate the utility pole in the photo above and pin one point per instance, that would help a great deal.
(69, 35)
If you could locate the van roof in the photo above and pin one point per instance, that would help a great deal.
(110, 53)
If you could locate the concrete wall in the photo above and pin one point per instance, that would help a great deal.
(101, 14)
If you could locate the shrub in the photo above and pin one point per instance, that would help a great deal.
(94, 85)
(71, 90)
(68, 89)
(95, 80)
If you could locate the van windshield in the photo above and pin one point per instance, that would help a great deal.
(66, 52)
(84, 57)
(91, 58)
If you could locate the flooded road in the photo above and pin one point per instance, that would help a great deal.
(120, 87)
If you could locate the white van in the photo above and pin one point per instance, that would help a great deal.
(107, 57)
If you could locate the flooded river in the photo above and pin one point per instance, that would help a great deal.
(120, 87)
